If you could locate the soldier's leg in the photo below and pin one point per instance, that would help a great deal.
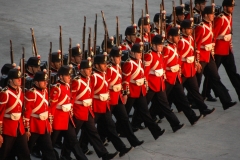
(7, 146)
(22, 145)
(32, 141)
(54, 136)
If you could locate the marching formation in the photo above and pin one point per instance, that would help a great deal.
(46, 104)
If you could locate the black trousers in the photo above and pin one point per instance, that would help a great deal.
(176, 93)
(210, 70)
(20, 145)
(70, 139)
(45, 144)
(120, 113)
(228, 63)
(141, 108)
(106, 127)
(162, 106)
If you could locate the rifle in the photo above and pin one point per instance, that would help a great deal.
(181, 2)
(104, 24)
(60, 43)
(132, 18)
(49, 70)
(89, 42)
(174, 14)
(163, 4)
(70, 51)
(117, 33)
(105, 41)
(23, 78)
(95, 36)
(191, 9)
(34, 43)
(11, 52)
(142, 22)
(146, 6)
(83, 38)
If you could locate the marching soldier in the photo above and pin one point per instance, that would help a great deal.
(188, 69)
(33, 66)
(56, 61)
(134, 89)
(4, 71)
(76, 59)
(114, 73)
(204, 43)
(11, 122)
(198, 8)
(82, 109)
(61, 113)
(154, 73)
(36, 120)
(174, 88)
(110, 44)
(146, 29)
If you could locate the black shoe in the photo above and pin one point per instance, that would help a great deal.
(157, 120)
(88, 152)
(125, 151)
(161, 133)
(196, 119)
(207, 112)
(36, 152)
(109, 156)
(211, 99)
(228, 105)
(139, 143)
(175, 129)
(135, 129)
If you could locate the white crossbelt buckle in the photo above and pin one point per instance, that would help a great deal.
(43, 116)
(66, 107)
(103, 97)
(208, 47)
(190, 59)
(227, 37)
(117, 87)
(175, 68)
(159, 72)
(87, 102)
(140, 81)
(15, 116)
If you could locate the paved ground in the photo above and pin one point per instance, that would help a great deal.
(214, 137)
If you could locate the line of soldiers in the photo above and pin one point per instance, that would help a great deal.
(39, 107)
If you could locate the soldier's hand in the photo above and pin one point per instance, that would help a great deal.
(199, 68)
(1, 141)
(28, 135)
(125, 99)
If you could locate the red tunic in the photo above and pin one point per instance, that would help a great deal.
(81, 92)
(222, 34)
(185, 50)
(11, 103)
(114, 73)
(204, 38)
(154, 71)
(172, 63)
(100, 90)
(36, 104)
(132, 71)
(60, 95)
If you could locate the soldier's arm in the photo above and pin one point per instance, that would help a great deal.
(165, 56)
(218, 24)
(75, 88)
(126, 75)
(198, 36)
(3, 102)
(29, 104)
(147, 64)
(54, 95)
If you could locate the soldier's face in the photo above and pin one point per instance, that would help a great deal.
(77, 59)
(229, 9)
(159, 47)
(133, 38)
(210, 17)
(187, 31)
(202, 6)
(66, 78)
(102, 67)
(117, 60)
(42, 84)
(88, 72)
(56, 65)
(181, 17)
(146, 28)
(176, 39)
(16, 82)
(138, 55)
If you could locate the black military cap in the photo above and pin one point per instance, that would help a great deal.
(109, 43)
(157, 39)
(180, 10)
(137, 47)
(6, 67)
(228, 3)
(34, 61)
(200, 1)
(156, 17)
(187, 24)
(174, 31)
(41, 76)
(146, 21)
(56, 56)
(76, 51)
(15, 73)
(100, 58)
(86, 63)
(115, 52)
(209, 10)
(65, 70)
(131, 30)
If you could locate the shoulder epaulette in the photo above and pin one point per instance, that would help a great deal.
(4, 89)
(32, 89)
(201, 24)
(138, 35)
(128, 60)
(109, 65)
(149, 51)
(57, 85)
(76, 78)
(220, 15)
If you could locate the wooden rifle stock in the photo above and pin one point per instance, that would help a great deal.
(146, 6)
(34, 43)
(132, 19)
(160, 20)
(104, 24)
(49, 70)
(83, 38)
(95, 37)
(181, 2)
(191, 9)
(70, 51)
(11, 52)
(23, 78)
(60, 43)
(89, 42)
(117, 32)
(174, 15)
(163, 4)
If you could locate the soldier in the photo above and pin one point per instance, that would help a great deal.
(188, 69)
(4, 71)
(156, 23)
(204, 44)
(12, 131)
(198, 8)
(33, 66)
(146, 29)
(223, 44)
(76, 59)
(134, 89)
(174, 88)
(82, 109)
(36, 122)
(114, 73)
(56, 61)
(154, 73)
(61, 112)
(110, 44)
